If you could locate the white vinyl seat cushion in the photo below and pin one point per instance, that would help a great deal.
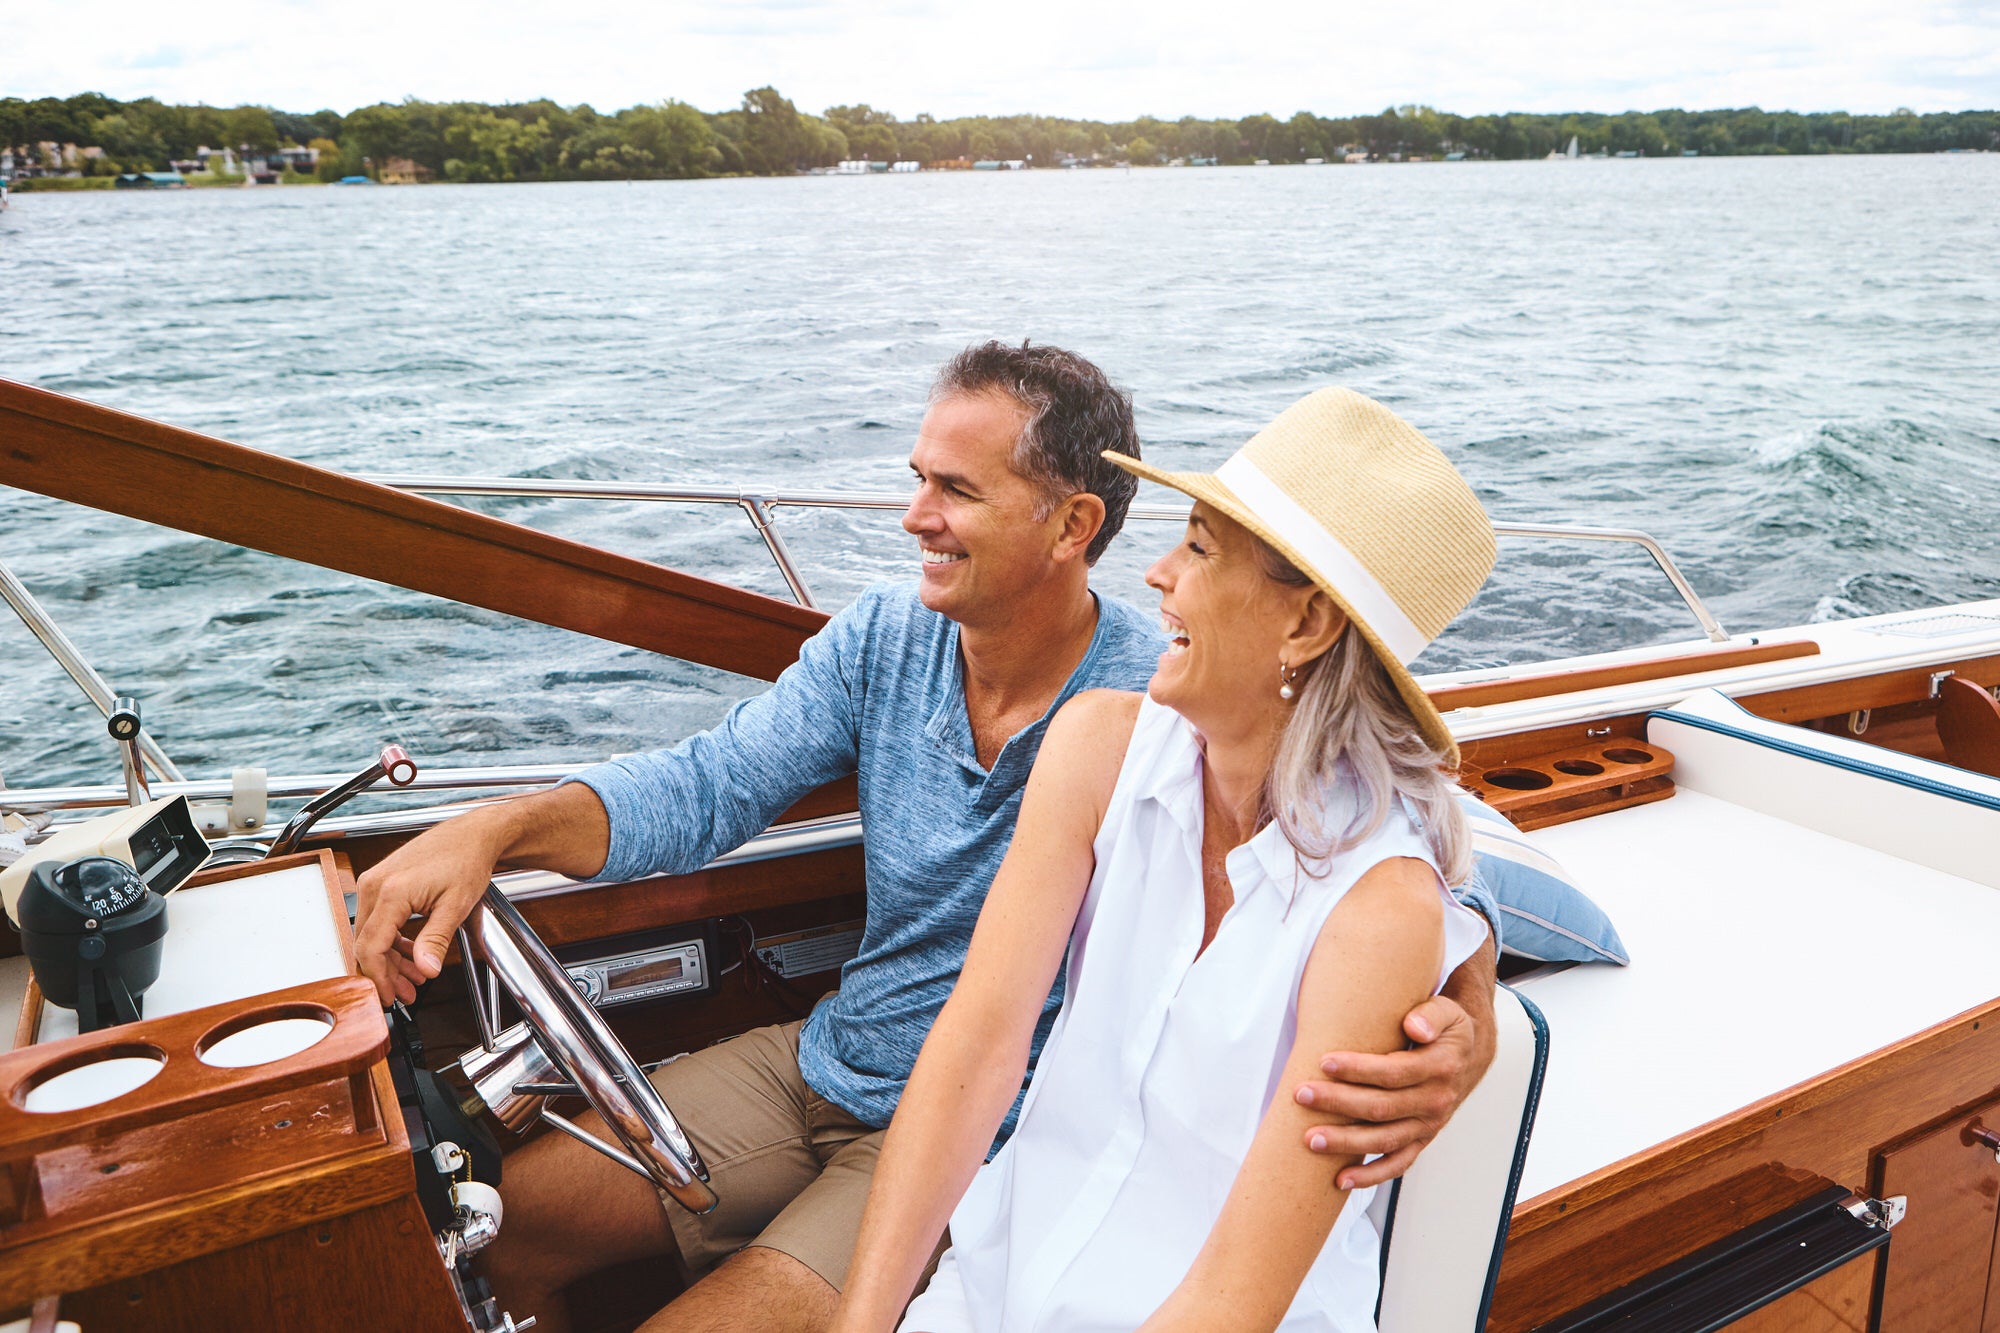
(1788, 909)
(1445, 1222)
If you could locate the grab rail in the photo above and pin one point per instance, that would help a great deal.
(71, 659)
(759, 505)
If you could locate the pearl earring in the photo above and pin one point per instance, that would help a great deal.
(1286, 675)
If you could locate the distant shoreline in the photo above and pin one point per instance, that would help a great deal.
(90, 137)
(99, 185)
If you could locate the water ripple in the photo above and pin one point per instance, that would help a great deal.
(1782, 368)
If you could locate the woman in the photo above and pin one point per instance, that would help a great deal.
(1248, 866)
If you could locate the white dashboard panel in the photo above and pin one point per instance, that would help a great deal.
(235, 939)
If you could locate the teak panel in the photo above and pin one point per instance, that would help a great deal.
(372, 1269)
(1940, 1258)
(1803, 703)
(1596, 1234)
(572, 916)
(1968, 726)
(1477, 694)
(73, 450)
(1837, 1302)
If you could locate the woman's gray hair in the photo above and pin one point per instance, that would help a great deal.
(1350, 722)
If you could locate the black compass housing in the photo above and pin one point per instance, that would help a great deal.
(93, 932)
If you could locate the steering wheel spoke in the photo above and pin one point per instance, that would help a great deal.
(562, 1041)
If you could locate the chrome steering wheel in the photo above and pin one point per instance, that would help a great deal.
(563, 1047)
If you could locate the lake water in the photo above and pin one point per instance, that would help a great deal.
(1783, 368)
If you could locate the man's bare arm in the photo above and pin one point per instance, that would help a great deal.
(1396, 1104)
(440, 875)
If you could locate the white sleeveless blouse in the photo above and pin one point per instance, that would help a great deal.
(1158, 1072)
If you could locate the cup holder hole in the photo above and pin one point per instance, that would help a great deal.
(1581, 768)
(264, 1042)
(119, 1071)
(1518, 779)
(1629, 756)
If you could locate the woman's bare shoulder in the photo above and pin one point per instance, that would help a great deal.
(1087, 739)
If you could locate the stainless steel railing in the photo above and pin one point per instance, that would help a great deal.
(72, 661)
(760, 505)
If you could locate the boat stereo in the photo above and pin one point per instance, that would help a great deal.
(93, 931)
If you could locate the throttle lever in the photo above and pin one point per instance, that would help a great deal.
(393, 762)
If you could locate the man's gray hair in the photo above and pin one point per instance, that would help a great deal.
(1074, 413)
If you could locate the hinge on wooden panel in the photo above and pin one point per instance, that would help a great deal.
(1883, 1213)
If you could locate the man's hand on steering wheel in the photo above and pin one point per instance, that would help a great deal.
(441, 874)
(438, 876)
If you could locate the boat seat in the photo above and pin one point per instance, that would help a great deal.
(1802, 901)
(1444, 1223)
(1915, 809)
(1968, 726)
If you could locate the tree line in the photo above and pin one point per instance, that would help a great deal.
(768, 135)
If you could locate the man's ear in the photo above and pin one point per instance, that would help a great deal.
(1319, 626)
(1077, 522)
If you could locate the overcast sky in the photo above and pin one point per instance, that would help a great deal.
(1103, 59)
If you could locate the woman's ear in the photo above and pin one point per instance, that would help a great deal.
(1319, 626)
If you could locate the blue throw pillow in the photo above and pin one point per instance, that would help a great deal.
(1543, 914)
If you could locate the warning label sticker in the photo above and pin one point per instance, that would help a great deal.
(804, 952)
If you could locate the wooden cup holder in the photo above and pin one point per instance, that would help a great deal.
(184, 1088)
(1573, 782)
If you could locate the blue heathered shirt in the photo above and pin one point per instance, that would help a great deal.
(879, 692)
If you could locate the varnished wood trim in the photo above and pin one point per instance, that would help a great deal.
(1588, 1236)
(186, 1086)
(187, 1225)
(1819, 1090)
(122, 464)
(1831, 698)
(571, 916)
(1478, 694)
(29, 1025)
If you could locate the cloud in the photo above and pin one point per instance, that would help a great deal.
(165, 57)
(1112, 59)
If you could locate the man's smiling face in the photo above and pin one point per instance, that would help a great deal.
(973, 516)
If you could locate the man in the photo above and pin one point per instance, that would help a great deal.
(938, 698)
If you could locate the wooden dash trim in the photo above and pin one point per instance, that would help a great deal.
(1480, 693)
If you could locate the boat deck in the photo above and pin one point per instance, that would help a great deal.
(1764, 953)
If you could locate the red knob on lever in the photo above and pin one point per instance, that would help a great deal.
(397, 765)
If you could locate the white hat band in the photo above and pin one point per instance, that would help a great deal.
(1329, 558)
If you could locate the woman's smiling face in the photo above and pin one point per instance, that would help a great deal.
(1228, 623)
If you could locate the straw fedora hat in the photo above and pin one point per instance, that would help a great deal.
(1369, 509)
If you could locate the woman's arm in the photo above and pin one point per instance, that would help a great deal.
(970, 1068)
(1377, 956)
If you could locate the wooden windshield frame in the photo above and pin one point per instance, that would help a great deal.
(104, 459)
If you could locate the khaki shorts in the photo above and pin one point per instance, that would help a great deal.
(791, 1169)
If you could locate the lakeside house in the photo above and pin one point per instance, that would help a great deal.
(403, 171)
(46, 158)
